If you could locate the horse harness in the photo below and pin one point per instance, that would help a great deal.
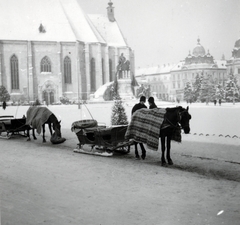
(167, 123)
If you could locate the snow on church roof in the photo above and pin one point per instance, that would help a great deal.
(79, 22)
(21, 19)
(109, 31)
(63, 21)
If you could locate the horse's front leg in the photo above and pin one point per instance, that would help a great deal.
(170, 162)
(136, 150)
(43, 127)
(50, 128)
(33, 134)
(28, 134)
(143, 151)
(163, 150)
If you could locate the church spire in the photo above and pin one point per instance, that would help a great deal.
(110, 12)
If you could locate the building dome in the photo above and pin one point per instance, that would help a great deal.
(236, 49)
(237, 43)
(199, 49)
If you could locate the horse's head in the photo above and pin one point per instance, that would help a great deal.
(184, 119)
(57, 128)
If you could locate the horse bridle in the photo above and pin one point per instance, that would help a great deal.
(178, 125)
(171, 124)
(180, 116)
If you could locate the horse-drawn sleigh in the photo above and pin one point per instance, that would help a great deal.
(146, 126)
(10, 126)
(36, 118)
(98, 139)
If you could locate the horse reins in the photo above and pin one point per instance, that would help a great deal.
(171, 124)
(178, 122)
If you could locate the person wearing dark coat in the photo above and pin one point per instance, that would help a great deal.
(151, 103)
(140, 105)
(220, 101)
(4, 105)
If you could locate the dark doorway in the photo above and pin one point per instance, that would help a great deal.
(48, 97)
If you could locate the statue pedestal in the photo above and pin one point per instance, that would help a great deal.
(125, 89)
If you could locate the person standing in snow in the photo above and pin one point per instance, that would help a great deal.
(151, 103)
(4, 105)
(140, 105)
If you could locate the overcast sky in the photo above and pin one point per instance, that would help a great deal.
(164, 31)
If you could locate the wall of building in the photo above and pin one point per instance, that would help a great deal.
(20, 50)
(33, 83)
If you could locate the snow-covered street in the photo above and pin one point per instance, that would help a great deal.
(50, 184)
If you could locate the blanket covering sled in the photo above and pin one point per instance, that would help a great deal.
(37, 116)
(145, 127)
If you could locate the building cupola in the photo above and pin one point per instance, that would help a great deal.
(199, 49)
(110, 12)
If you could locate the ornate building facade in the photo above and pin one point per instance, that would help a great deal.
(50, 49)
(168, 81)
(233, 64)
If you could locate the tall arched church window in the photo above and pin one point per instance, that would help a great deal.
(67, 70)
(110, 70)
(45, 65)
(14, 72)
(103, 72)
(93, 75)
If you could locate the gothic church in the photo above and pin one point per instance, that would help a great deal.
(51, 48)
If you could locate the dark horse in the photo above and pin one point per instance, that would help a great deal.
(175, 119)
(52, 122)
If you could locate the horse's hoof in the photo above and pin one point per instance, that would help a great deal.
(28, 139)
(143, 157)
(35, 138)
(170, 162)
(163, 163)
(44, 141)
(137, 157)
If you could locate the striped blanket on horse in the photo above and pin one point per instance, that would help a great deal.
(37, 116)
(145, 127)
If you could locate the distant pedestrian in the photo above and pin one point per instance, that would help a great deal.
(140, 105)
(215, 101)
(220, 101)
(151, 103)
(4, 105)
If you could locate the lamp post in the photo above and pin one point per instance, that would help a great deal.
(78, 83)
(79, 75)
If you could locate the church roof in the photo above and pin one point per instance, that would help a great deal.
(164, 69)
(62, 20)
(109, 31)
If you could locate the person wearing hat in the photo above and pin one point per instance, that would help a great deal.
(140, 105)
(151, 103)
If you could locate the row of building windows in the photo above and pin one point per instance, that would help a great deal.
(186, 76)
(159, 88)
(192, 76)
(46, 67)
